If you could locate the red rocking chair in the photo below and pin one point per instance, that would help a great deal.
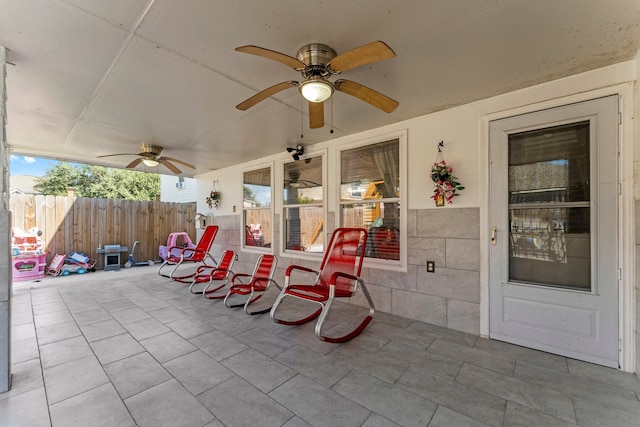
(176, 256)
(218, 275)
(256, 284)
(338, 277)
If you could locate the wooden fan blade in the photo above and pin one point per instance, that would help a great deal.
(170, 166)
(120, 154)
(272, 54)
(133, 164)
(316, 115)
(366, 94)
(372, 52)
(177, 161)
(260, 96)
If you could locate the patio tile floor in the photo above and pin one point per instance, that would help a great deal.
(131, 348)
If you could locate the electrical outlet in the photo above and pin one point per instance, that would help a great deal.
(431, 267)
(234, 208)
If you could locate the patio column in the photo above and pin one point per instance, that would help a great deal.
(5, 236)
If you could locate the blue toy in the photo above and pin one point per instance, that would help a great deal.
(132, 261)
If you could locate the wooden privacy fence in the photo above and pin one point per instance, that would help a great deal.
(78, 224)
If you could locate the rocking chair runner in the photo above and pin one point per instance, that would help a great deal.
(338, 277)
(256, 284)
(211, 275)
(176, 256)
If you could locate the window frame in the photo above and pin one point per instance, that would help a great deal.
(289, 253)
(243, 244)
(402, 199)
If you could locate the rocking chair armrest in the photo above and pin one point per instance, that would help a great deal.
(340, 274)
(180, 248)
(264, 279)
(337, 274)
(298, 267)
(214, 270)
(183, 250)
(201, 268)
(194, 250)
(291, 268)
(239, 275)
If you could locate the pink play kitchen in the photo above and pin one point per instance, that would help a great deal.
(28, 257)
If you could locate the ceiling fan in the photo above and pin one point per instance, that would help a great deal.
(317, 63)
(295, 181)
(151, 157)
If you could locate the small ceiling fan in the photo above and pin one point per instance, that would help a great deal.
(151, 157)
(295, 181)
(317, 63)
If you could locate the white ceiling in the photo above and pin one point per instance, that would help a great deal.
(96, 77)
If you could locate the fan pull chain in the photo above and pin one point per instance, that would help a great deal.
(331, 124)
(301, 117)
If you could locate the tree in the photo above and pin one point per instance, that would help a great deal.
(57, 180)
(250, 195)
(99, 182)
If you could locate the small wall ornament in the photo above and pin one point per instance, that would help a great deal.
(214, 197)
(446, 184)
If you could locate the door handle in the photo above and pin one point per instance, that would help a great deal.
(494, 237)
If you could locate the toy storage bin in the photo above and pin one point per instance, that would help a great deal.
(29, 266)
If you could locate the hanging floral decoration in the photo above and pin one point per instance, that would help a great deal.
(446, 184)
(214, 197)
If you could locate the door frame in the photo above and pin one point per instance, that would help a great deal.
(626, 211)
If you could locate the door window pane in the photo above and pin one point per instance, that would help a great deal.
(549, 207)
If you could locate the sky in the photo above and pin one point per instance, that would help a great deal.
(26, 165)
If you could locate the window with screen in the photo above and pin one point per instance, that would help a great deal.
(257, 213)
(303, 205)
(370, 196)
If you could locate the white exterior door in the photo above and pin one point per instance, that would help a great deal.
(554, 270)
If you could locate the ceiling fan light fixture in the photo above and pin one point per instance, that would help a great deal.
(150, 162)
(316, 89)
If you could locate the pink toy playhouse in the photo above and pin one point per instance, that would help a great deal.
(180, 239)
(27, 256)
